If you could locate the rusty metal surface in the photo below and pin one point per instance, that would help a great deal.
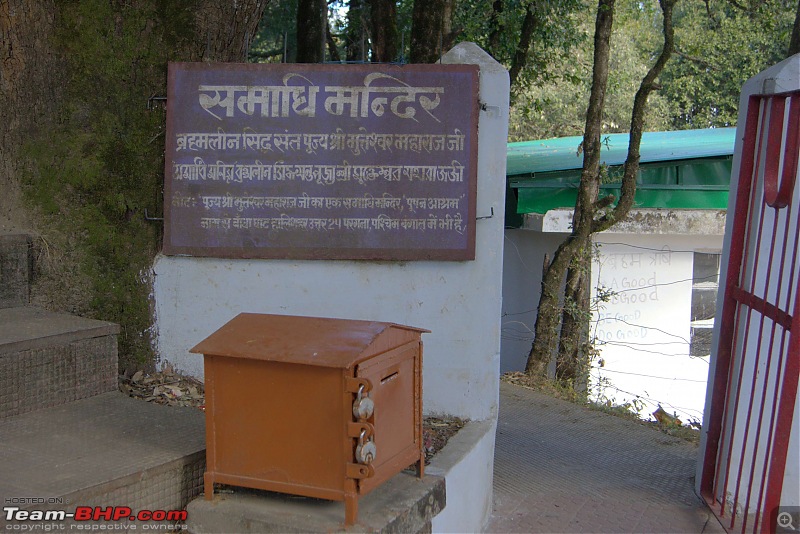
(327, 342)
(287, 423)
(321, 161)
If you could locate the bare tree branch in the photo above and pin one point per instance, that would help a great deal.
(529, 25)
(333, 52)
(648, 84)
(497, 28)
(697, 60)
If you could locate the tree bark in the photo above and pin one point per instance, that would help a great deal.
(385, 37)
(227, 29)
(431, 28)
(496, 28)
(572, 363)
(75, 83)
(29, 98)
(333, 51)
(547, 329)
(356, 36)
(312, 16)
(529, 24)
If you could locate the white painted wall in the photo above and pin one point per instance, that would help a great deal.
(458, 301)
(643, 331)
(467, 463)
(523, 257)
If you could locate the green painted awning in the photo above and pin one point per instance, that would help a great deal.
(687, 169)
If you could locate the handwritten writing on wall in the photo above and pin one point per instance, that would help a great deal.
(321, 161)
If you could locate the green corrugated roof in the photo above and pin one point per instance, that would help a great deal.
(560, 154)
(686, 169)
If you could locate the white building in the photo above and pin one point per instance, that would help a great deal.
(661, 265)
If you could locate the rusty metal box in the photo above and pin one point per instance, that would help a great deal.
(326, 408)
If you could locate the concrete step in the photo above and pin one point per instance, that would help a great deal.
(107, 450)
(15, 270)
(48, 359)
(403, 504)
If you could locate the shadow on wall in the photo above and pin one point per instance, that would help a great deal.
(523, 257)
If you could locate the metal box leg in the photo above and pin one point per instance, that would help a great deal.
(350, 509)
(208, 486)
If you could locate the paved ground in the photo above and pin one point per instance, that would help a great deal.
(560, 467)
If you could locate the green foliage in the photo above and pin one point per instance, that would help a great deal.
(717, 51)
(277, 34)
(554, 39)
(101, 167)
(556, 107)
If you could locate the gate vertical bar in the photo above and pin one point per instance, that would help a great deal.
(756, 371)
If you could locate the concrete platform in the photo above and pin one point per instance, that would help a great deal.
(404, 504)
(106, 450)
(28, 328)
(48, 359)
(560, 467)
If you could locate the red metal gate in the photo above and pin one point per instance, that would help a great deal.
(758, 357)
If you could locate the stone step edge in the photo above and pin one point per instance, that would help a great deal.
(138, 491)
(30, 328)
(107, 450)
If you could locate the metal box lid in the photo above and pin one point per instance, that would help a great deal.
(325, 342)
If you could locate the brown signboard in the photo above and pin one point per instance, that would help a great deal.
(321, 161)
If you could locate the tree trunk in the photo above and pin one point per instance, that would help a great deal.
(547, 329)
(648, 85)
(572, 361)
(431, 28)
(794, 43)
(312, 17)
(584, 222)
(356, 35)
(529, 24)
(385, 37)
(227, 29)
(333, 51)
(496, 28)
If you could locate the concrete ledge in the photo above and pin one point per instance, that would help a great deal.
(49, 359)
(28, 328)
(467, 463)
(403, 504)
